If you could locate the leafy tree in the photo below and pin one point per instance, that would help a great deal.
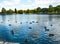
(3, 11)
(16, 11)
(58, 8)
(10, 11)
(27, 11)
(44, 10)
(20, 11)
(51, 9)
(38, 10)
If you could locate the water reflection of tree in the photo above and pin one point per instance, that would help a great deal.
(15, 18)
(50, 19)
(3, 19)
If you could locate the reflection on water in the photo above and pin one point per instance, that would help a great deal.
(30, 29)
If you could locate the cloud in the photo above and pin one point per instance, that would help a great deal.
(46, 3)
(9, 3)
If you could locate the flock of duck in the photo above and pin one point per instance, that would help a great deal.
(12, 32)
(50, 35)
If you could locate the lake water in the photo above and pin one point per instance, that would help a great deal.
(30, 29)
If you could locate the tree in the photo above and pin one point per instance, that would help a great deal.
(44, 10)
(20, 11)
(16, 11)
(58, 8)
(38, 10)
(10, 11)
(3, 11)
(27, 11)
(51, 9)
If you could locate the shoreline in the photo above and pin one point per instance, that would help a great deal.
(31, 14)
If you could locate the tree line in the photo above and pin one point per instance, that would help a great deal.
(38, 10)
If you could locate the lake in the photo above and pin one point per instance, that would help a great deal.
(30, 29)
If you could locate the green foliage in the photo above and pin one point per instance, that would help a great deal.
(20, 11)
(51, 8)
(38, 10)
(27, 11)
(16, 11)
(44, 10)
(10, 11)
(34, 11)
(58, 8)
(3, 11)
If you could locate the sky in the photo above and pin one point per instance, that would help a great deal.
(27, 4)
